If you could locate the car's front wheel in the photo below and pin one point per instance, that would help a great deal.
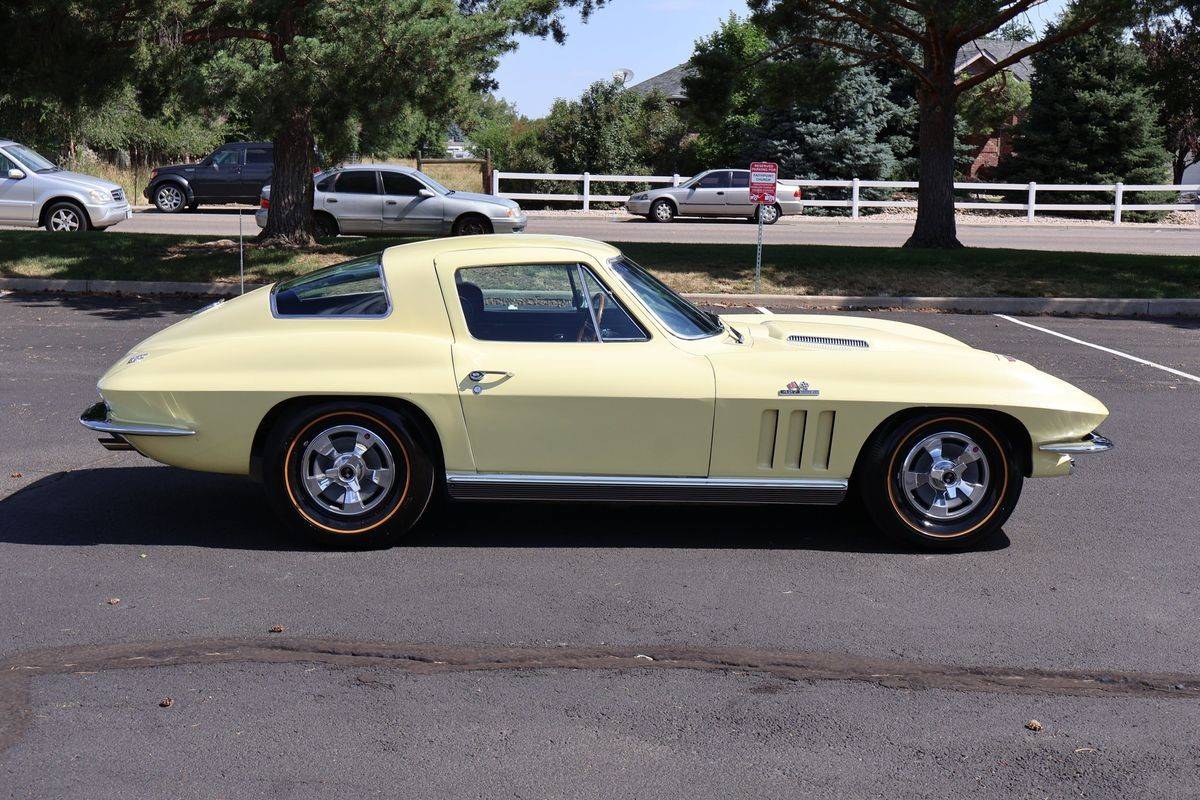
(472, 225)
(940, 480)
(348, 474)
(66, 218)
(169, 198)
(662, 211)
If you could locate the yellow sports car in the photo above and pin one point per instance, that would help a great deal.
(554, 368)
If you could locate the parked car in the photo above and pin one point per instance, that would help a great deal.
(715, 193)
(233, 173)
(36, 193)
(554, 368)
(389, 199)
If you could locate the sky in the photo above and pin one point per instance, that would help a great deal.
(646, 36)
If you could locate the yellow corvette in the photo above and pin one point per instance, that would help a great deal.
(554, 368)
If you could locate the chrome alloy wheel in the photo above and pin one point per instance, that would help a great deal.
(663, 212)
(169, 198)
(945, 476)
(347, 470)
(65, 219)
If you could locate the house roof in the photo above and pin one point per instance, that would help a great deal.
(670, 82)
(995, 50)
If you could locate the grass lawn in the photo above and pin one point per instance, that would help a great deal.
(787, 269)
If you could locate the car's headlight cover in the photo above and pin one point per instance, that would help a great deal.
(642, 196)
(100, 196)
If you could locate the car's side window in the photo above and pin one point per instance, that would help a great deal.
(357, 181)
(259, 155)
(397, 183)
(326, 183)
(5, 165)
(525, 303)
(714, 180)
(741, 179)
(352, 289)
(226, 158)
(615, 323)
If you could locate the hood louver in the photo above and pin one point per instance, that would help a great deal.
(828, 341)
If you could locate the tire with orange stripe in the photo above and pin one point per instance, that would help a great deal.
(940, 480)
(347, 474)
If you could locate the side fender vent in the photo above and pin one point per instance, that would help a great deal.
(828, 341)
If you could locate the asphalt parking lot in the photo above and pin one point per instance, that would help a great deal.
(620, 227)
(791, 652)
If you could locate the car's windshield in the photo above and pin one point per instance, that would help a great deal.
(680, 316)
(437, 187)
(31, 159)
(690, 183)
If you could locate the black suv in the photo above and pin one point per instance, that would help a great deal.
(234, 173)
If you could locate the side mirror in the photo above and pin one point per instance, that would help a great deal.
(426, 193)
(15, 174)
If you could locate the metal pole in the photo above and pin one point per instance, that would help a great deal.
(758, 256)
(241, 256)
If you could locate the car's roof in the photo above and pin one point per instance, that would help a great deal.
(6, 142)
(501, 241)
(384, 167)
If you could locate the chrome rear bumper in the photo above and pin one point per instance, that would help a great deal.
(1092, 443)
(96, 418)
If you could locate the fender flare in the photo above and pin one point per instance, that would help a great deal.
(161, 179)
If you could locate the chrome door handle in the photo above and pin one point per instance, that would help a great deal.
(330, 199)
(390, 202)
(478, 375)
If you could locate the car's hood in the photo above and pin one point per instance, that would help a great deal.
(81, 180)
(812, 331)
(475, 197)
(174, 168)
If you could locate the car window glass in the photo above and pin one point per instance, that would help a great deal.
(616, 325)
(225, 158)
(352, 289)
(5, 165)
(361, 181)
(326, 183)
(525, 303)
(741, 180)
(259, 155)
(400, 184)
(680, 316)
(714, 180)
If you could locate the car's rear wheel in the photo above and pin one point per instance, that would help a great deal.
(472, 225)
(662, 211)
(769, 214)
(169, 198)
(325, 226)
(66, 217)
(348, 474)
(940, 480)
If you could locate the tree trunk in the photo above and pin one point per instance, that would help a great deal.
(935, 197)
(289, 218)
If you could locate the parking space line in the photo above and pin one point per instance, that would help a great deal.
(766, 311)
(1180, 373)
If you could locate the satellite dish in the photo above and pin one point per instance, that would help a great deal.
(622, 76)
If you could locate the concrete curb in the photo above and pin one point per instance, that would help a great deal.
(1092, 306)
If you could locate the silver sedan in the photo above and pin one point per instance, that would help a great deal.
(386, 199)
(716, 193)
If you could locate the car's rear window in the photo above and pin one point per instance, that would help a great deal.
(353, 289)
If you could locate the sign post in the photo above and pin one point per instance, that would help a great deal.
(763, 176)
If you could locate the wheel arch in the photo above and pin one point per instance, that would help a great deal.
(177, 179)
(669, 198)
(1015, 430)
(51, 202)
(458, 220)
(322, 213)
(425, 430)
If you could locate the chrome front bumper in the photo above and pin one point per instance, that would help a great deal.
(1092, 443)
(109, 214)
(98, 418)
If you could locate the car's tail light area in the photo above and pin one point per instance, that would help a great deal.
(264, 203)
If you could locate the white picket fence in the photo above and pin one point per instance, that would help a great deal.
(855, 203)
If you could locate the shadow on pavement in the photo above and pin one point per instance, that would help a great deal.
(112, 307)
(168, 506)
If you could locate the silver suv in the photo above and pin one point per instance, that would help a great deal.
(35, 193)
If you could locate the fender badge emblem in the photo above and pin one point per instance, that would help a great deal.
(800, 389)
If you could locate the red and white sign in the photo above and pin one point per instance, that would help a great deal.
(763, 175)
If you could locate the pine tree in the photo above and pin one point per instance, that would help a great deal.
(1092, 118)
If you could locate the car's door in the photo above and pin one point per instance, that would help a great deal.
(543, 394)
(355, 200)
(16, 194)
(406, 209)
(257, 165)
(218, 177)
(737, 197)
(706, 197)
